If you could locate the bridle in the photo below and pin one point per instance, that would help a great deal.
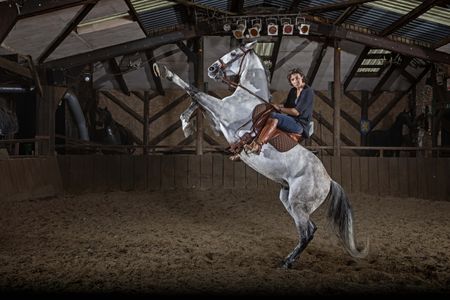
(230, 83)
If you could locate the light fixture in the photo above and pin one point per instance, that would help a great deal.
(288, 28)
(226, 27)
(86, 77)
(303, 27)
(238, 33)
(255, 29)
(272, 27)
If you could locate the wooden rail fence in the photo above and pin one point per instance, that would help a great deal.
(397, 176)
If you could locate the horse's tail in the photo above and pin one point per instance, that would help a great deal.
(341, 216)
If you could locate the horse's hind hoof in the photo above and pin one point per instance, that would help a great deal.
(286, 265)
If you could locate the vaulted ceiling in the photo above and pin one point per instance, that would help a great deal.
(69, 33)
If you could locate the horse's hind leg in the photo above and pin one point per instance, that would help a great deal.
(305, 227)
(306, 232)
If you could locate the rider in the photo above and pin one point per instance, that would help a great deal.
(295, 116)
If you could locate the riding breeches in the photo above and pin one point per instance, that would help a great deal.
(287, 123)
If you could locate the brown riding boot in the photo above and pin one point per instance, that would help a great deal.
(266, 134)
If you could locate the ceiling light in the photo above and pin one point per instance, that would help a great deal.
(272, 27)
(238, 33)
(255, 29)
(288, 28)
(226, 27)
(303, 29)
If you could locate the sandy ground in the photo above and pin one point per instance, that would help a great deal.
(216, 242)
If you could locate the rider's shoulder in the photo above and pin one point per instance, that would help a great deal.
(308, 89)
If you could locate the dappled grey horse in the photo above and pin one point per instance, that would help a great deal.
(305, 184)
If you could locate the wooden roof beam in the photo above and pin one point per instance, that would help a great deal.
(202, 6)
(396, 99)
(333, 6)
(384, 43)
(15, 68)
(291, 54)
(345, 15)
(67, 30)
(376, 91)
(120, 49)
(317, 60)
(133, 13)
(34, 8)
(8, 18)
(124, 106)
(117, 74)
(276, 50)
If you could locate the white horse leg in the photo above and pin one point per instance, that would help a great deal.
(284, 197)
(305, 227)
(163, 71)
(299, 202)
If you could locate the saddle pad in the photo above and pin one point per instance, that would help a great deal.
(281, 140)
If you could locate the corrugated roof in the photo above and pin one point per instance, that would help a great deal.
(217, 4)
(155, 20)
(430, 28)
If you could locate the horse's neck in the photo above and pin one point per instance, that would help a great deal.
(233, 113)
(254, 77)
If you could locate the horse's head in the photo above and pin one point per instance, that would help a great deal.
(231, 63)
(103, 117)
(406, 118)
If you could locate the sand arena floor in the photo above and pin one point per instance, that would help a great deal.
(216, 242)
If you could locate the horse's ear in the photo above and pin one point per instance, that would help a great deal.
(250, 45)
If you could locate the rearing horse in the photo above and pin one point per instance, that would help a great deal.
(305, 184)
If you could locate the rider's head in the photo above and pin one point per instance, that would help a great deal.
(294, 73)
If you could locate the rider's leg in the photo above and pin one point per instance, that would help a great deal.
(265, 135)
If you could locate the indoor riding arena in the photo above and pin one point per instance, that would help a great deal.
(127, 159)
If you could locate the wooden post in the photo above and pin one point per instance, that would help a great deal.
(337, 100)
(364, 115)
(434, 119)
(199, 84)
(45, 119)
(146, 120)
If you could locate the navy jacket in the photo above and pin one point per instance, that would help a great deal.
(304, 105)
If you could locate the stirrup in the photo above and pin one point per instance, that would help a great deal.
(254, 147)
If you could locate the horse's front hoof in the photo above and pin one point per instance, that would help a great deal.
(162, 71)
(156, 70)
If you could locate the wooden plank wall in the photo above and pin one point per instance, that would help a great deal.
(401, 177)
(97, 173)
(30, 178)
(427, 178)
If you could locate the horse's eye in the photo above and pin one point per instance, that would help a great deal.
(233, 53)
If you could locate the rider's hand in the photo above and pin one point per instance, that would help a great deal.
(277, 107)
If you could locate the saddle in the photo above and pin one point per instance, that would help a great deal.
(281, 140)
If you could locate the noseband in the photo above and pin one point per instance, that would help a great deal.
(224, 65)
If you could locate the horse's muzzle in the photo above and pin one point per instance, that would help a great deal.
(213, 71)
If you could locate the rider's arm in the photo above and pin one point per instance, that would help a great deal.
(289, 111)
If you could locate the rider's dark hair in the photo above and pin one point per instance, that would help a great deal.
(296, 71)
